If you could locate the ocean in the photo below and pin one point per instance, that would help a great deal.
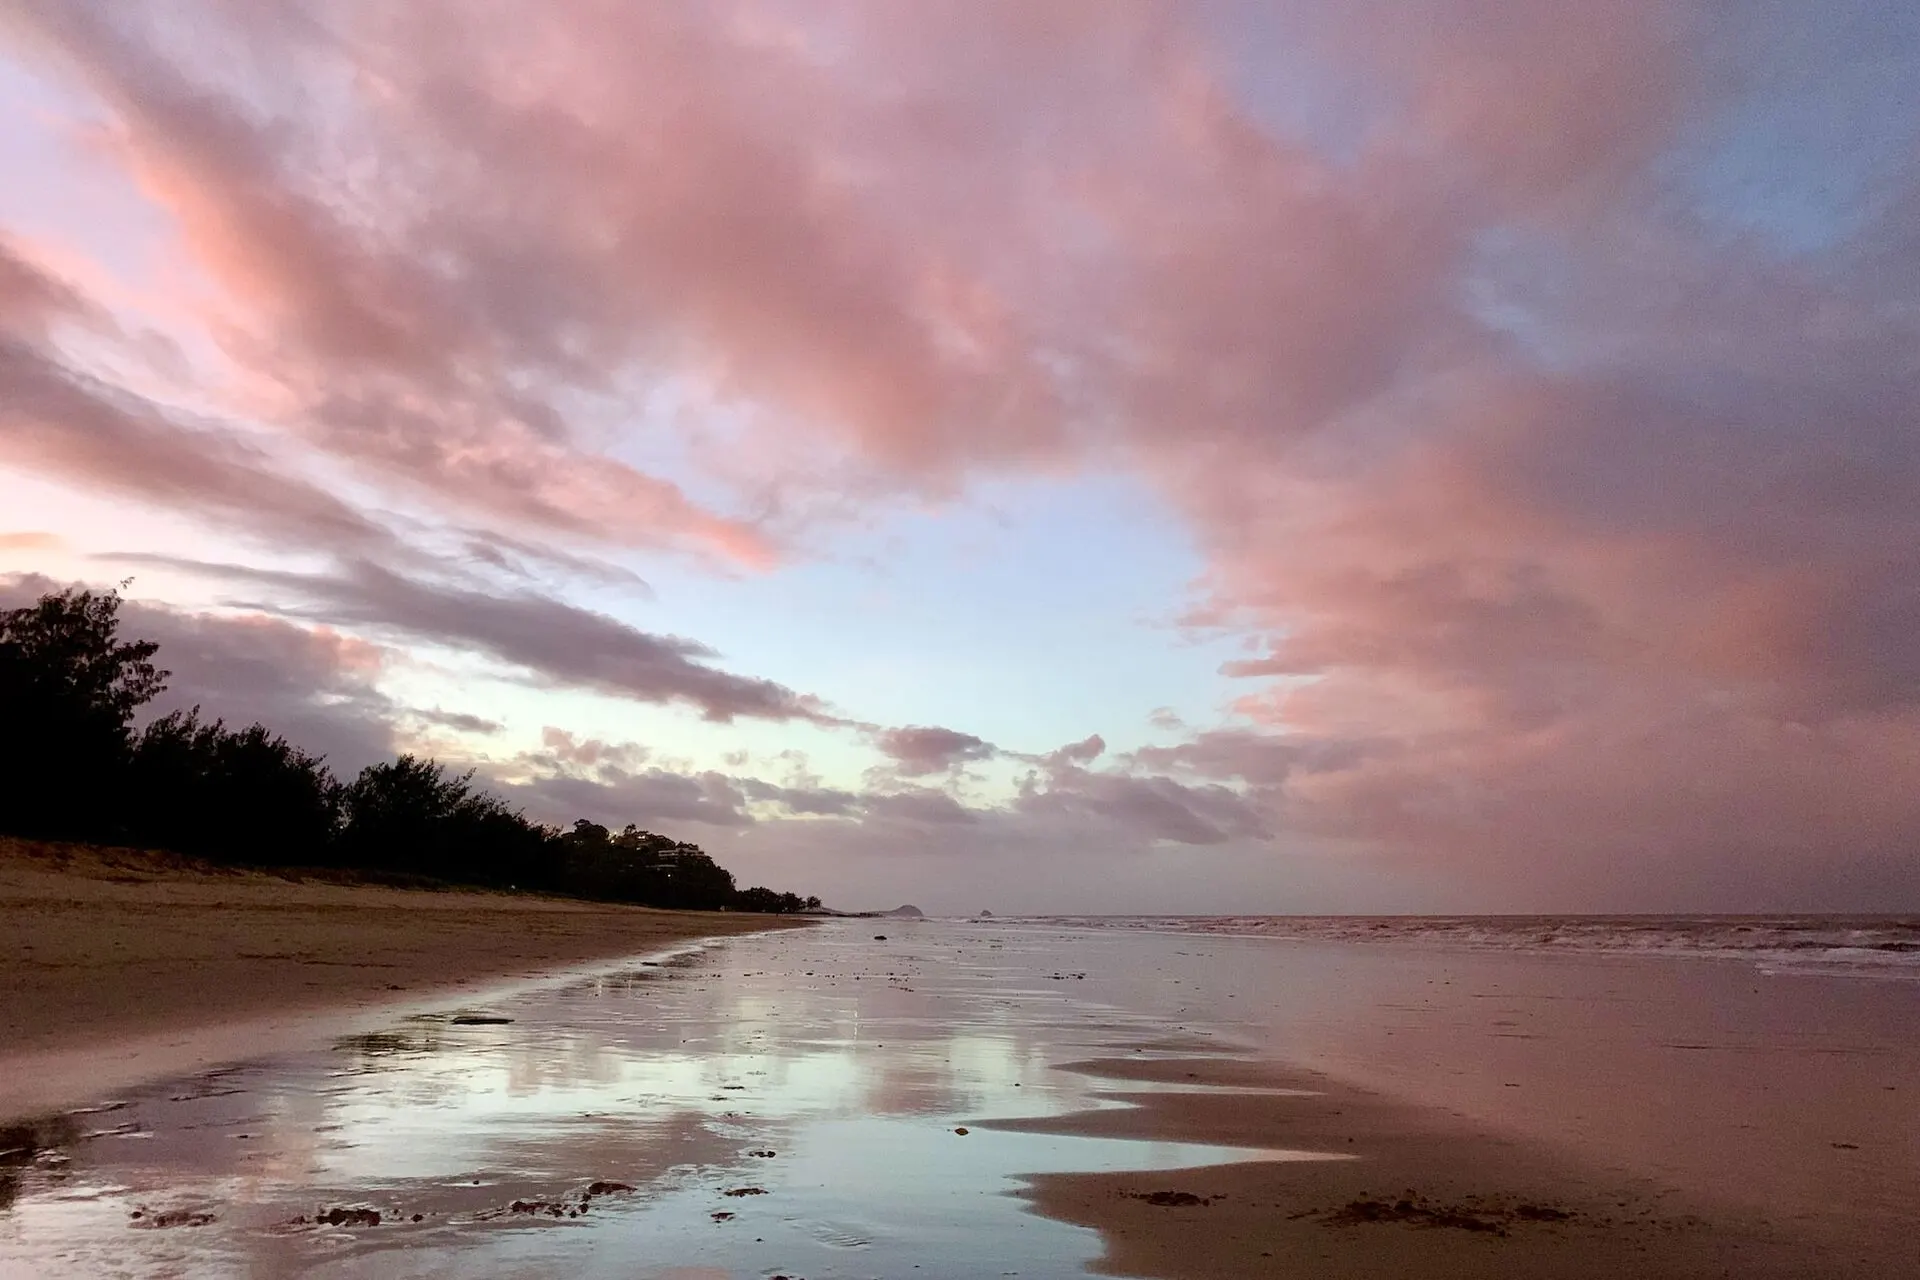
(1886, 946)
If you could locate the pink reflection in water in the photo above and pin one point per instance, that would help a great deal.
(820, 1076)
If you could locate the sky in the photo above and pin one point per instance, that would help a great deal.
(1042, 456)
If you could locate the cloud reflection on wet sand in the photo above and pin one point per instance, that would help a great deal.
(823, 1068)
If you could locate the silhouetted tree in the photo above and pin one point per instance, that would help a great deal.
(71, 768)
(766, 900)
(69, 688)
(493, 843)
(249, 796)
(412, 815)
(397, 814)
(640, 866)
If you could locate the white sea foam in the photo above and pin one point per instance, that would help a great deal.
(1885, 946)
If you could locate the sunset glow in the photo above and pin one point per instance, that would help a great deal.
(1416, 456)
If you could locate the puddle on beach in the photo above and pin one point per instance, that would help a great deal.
(774, 1105)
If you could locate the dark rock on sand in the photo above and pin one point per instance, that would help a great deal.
(606, 1189)
(1480, 1216)
(1171, 1199)
(479, 1020)
(548, 1207)
(1357, 1212)
(340, 1216)
(171, 1218)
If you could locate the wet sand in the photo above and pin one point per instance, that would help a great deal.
(1425, 1196)
(1689, 1117)
(118, 965)
(942, 1099)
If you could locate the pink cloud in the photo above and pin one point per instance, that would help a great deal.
(1577, 532)
(1083, 752)
(60, 419)
(311, 684)
(922, 749)
(30, 540)
(33, 298)
(567, 202)
(590, 753)
(555, 642)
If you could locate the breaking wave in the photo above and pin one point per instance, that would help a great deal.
(1869, 945)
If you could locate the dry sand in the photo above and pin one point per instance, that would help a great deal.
(118, 965)
(1425, 1196)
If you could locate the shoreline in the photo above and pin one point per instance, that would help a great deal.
(122, 965)
(1775, 1107)
(959, 1100)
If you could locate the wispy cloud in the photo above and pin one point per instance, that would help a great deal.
(1572, 515)
(552, 640)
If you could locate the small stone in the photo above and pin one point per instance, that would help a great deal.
(607, 1188)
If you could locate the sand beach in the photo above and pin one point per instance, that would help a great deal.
(948, 1098)
(121, 965)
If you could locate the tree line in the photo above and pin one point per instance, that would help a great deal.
(74, 767)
